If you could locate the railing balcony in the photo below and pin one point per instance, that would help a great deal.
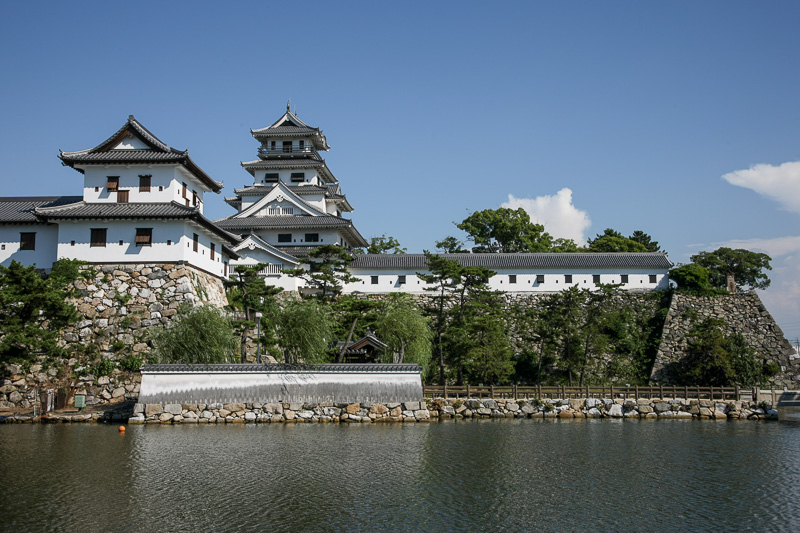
(271, 270)
(266, 150)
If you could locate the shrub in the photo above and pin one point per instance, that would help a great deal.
(104, 368)
(131, 363)
(200, 335)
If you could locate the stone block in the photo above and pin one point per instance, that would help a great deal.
(173, 408)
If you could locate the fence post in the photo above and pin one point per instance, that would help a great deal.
(491, 390)
(445, 391)
(468, 396)
(612, 392)
(515, 392)
(562, 391)
(685, 392)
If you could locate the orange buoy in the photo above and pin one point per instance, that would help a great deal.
(122, 429)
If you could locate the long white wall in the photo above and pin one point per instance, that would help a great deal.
(44, 253)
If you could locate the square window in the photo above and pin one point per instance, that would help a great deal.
(144, 183)
(72, 243)
(195, 241)
(653, 278)
(122, 197)
(98, 237)
(567, 278)
(27, 240)
(401, 280)
(374, 280)
(144, 237)
(312, 237)
(298, 176)
(284, 237)
(112, 184)
(623, 278)
(596, 279)
(512, 278)
(271, 177)
(539, 278)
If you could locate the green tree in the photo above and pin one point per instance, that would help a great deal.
(199, 335)
(613, 241)
(33, 308)
(352, 316)
(248, 293)
(747, 267)
(562, 245)
(451, 245)
(327, 271)
(385, 245)
(505, 230)
(488, 353)
(305, 331)
(693, 278)
(645, 240)
(401, 325)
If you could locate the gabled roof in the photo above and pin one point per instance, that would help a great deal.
(289, 125)
(253, 241)
(494, 261)
(280, 192)
(153, 151)
(22, 209)
(127, 211)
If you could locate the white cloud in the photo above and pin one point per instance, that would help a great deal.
(556, 213)
(781, 183)
(776, 247)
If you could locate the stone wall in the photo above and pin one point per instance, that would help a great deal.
(435, 409)
(742, 313)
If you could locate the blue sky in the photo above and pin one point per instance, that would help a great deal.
(590, 114)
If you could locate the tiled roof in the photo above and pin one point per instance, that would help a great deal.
(283, 163)
(21, 209)
(542, 261)
(115, 211)
(159, 152)
(264, 245)
(283, 222)
(290, 125)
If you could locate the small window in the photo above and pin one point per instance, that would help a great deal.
(298, 176)
(284, 237)
(226, 268)
(98, 237)
(287, 146)
(72, 243)
(653, 278)
(567, 278)
(113, 183)
(271, 177)
(539, 278)
(623, 278)
(144, 237)
(596, 279)
(195, 199)
(122, 197)
(374, 280)
(312, 237)
(27, 240)
(272, 145)
(183, 191)
(144, 183)
(169, 242)
(512, 278)
(97, 189)
(401, 280)
(195, 242)
(160, 187)
(213, 250)
(302, 145)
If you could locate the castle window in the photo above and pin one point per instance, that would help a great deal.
(122, 197)
(567, 278)
(98, 237)
(512, 278)
(302, 145)
(144, 183)
(539, 278)
(183, 191)
(144, 237)
(113, 183)
(596, 279)
(312, 237)
(27, 240)
(195, 241)
(623, 278)
(194, 198)
(401, 280)
(653, 278)
(374, 280)
(287, 146)
(298, 176)
(271, 177)
(213, 246)
(284, 237)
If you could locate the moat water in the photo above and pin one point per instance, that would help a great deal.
(487, 475)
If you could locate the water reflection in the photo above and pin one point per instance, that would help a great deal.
(456, 475)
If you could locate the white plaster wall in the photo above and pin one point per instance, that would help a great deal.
(46, 243)
(388, 281)
(285, 176)
(180, 234)
(298, 237)
(166, 184)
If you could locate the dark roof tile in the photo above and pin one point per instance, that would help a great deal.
(542, 261)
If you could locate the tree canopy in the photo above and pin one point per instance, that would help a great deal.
(747, 267)
(613, 241)
(327, 272)
(505, 230)
(385, 245)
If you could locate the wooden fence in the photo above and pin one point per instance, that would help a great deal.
(589, 391)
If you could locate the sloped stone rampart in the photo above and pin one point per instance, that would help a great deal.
(742, 313)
